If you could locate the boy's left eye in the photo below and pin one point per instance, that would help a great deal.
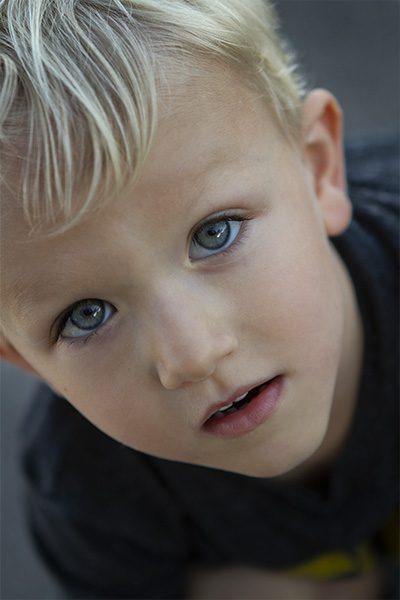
(214, 236)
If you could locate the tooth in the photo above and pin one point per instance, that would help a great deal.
(227, 406)
(224, 408)
(240, 398)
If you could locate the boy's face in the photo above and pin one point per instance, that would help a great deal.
(213, 277)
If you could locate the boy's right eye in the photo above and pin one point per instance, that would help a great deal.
(85, 318)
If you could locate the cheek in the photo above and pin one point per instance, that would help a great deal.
(118, 399)
(293, 301)
(99, 383)
(115, 409)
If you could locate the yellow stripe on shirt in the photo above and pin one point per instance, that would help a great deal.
(337, 564)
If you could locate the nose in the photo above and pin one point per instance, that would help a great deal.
(189, 340)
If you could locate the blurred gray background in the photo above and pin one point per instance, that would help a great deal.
(350, 47)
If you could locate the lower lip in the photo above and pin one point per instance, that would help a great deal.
(259, 410)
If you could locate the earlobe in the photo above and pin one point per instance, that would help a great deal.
(323, 156)
(10, 354)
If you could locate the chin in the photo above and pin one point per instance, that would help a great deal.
(302, 459)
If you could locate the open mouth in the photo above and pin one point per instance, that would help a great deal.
(239, 403)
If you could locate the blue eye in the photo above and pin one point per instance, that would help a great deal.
(215, 236)
(85, 318)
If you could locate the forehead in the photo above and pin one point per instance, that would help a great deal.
(207, 124)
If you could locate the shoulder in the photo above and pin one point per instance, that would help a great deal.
(96, 507)
(74, 469)
(373, 174)
(372, 162)
(370, 244)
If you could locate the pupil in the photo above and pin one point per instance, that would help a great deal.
(88, 316)
(214, 236)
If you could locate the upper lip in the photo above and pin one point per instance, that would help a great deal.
(231, 398)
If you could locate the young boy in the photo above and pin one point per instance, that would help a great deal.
(181, 267)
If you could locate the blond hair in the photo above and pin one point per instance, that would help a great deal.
(80, 82)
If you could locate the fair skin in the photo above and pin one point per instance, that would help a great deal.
(183, 329)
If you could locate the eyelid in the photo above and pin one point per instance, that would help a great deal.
(227, 215)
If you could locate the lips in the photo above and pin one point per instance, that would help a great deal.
(239, 404)
(245, 410)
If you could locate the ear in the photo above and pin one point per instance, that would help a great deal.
(9, 353)
(323, 156)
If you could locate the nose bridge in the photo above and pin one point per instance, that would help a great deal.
(188, 339)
